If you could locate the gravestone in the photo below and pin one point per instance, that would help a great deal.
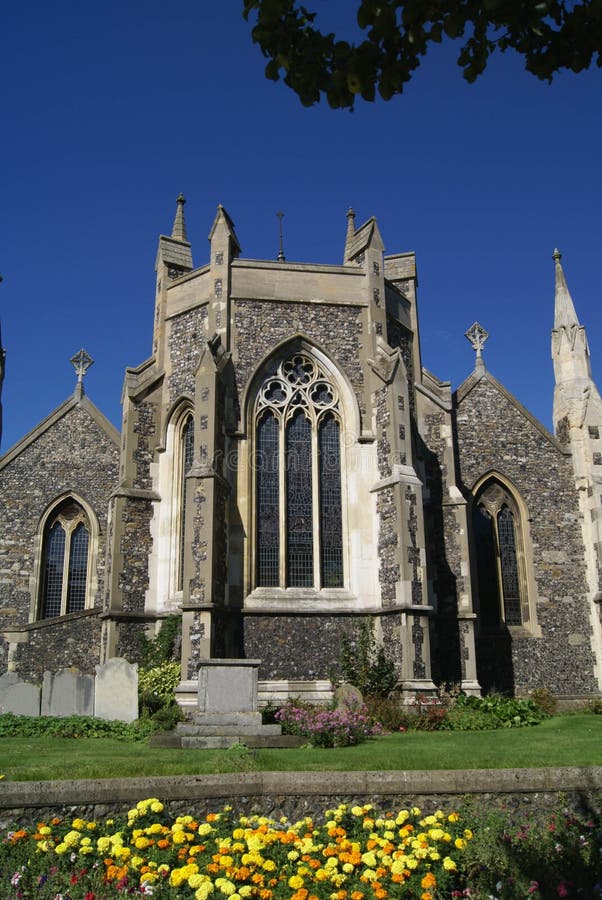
(348, 697)
(67, 693)
(116, 690)
(18, 697)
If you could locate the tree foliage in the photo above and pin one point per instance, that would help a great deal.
(549, 34)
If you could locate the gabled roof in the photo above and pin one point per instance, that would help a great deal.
(222, 216)
(46, 424)
(476, 377)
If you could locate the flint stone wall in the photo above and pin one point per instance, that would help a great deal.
(74, 455)
(494, 435)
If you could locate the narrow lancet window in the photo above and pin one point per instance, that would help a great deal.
(268, 502)
(509, 567)
(331, 534)
(300, 558)
(78, 569)
(53, 572)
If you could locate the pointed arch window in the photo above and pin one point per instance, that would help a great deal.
(65, 561)
(298, 501)
(500, 557)
(186, 456)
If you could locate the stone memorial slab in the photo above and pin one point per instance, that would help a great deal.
(228, 686)
(18, 697)
(67, 693)
(116, 690)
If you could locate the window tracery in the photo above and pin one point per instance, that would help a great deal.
(298, 478)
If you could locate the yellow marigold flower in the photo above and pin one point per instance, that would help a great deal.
(204, 890)
(411, 863)
(429, 820)
(103, 844)
(453, 817)
(357, 810)
(402, 816)
(61, 848)
(179, 837)
(43, 847)
(331, 863)
(155, 828)
(137, 861)
(149, 877)
(369, 859)
(292, 855)
(79, 824)
(369, 875)
(436, 834)
(295, 882)
(156, 806)
(415, 811)
(449, 865)
(141, 843)
(269, 865)
(44, 829)
(245, 890)
(321, 875)
(226, 887)
(460, 843)
(347, 868)
(204, 829)
(91, 826)
(468, 834)
(163, 869)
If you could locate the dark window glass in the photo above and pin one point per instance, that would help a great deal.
(509, 567)
(78, 569)
(299, 512)
(331, 533)
(487, 571)
(53, 571)
(268, 503)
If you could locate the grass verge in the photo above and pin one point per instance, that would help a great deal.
(560, 741)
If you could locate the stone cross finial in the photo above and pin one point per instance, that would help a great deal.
(477, 336)
(81, 362)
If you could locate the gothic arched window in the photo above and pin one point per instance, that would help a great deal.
(186, 457)
(65, 551)
(299, 532)
(500, 558)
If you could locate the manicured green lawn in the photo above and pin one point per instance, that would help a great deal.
(574, 740)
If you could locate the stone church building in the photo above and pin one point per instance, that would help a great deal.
(287, 468)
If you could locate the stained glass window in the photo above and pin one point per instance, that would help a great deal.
(187, 457)
(78, 569)
(298, 445)
(331, 542)
(65, 561)
(502, 583)
(268, 502)
(53, 571)
(299, 512)
(509, 568)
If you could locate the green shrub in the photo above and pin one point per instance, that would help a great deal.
(71, 727)
(505, 712)
(390, 713)
(364, 664)
(156, 696)
(595, 706)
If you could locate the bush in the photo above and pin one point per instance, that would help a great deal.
(340, 727)
(159, 676)
(165, 646)
(364, 664)
(390, 713)
(71, 727)
(595, 706)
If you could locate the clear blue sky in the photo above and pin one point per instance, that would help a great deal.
(110, 110)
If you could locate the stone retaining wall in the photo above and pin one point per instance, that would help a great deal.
(297, 794)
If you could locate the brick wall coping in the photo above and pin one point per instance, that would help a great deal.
(32, 794)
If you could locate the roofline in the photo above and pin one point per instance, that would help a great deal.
(50, 420)
(474, 378)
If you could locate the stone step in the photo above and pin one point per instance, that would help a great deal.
(253, 741)
(231, 718)
(202, 730)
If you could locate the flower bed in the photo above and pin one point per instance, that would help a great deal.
(354, 855)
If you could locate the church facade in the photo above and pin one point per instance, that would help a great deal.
(287, 469)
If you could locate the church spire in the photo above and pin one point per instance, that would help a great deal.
(350, 233)
(178, 232)
(564, 310)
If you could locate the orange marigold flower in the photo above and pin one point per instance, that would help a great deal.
(162, 844)
(265, 894)
(429, 881)
(55, 821)
(357, 895)
(426, 896)
(211, 817)
(380, 893)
